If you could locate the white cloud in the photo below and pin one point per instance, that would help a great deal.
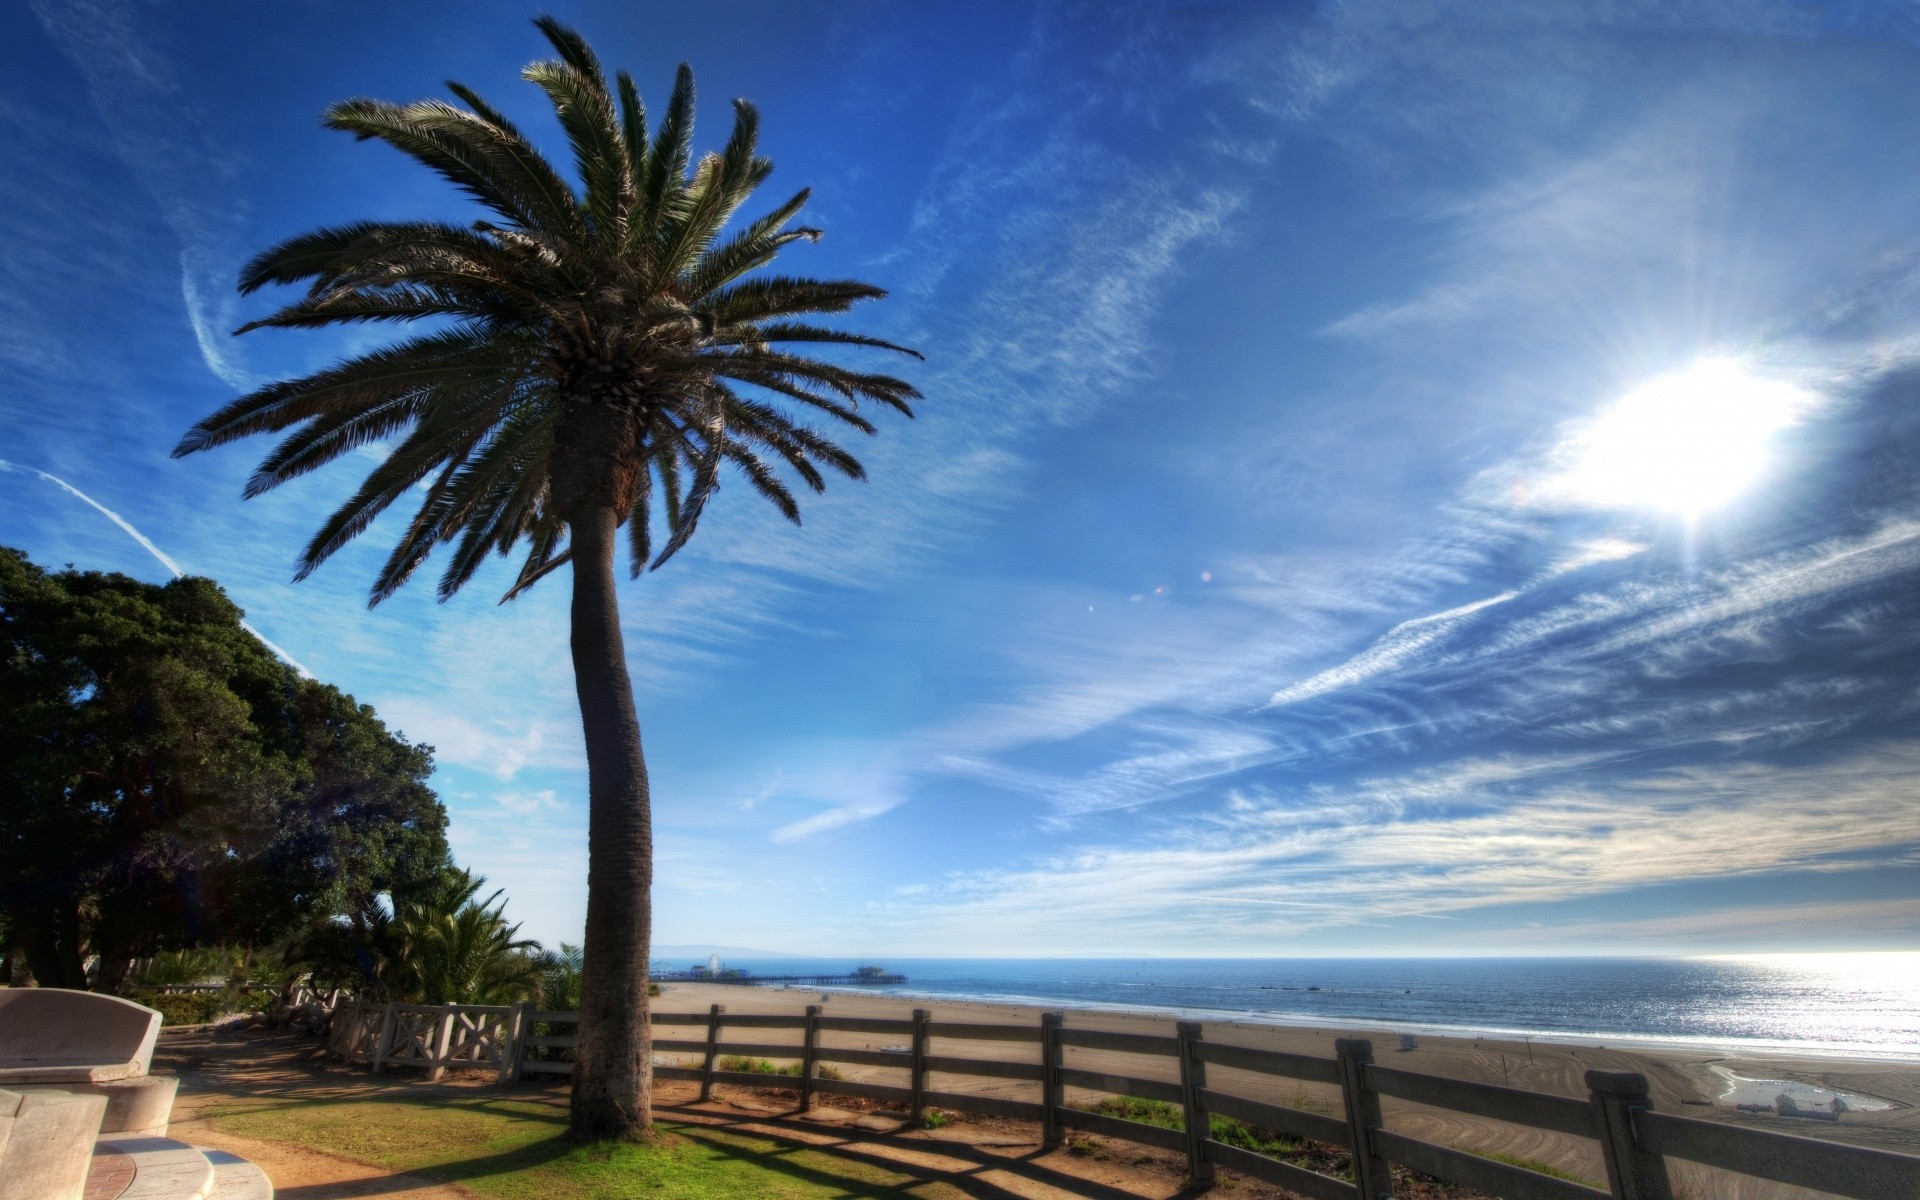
(526, 804)
(1437, 843)
(1399, 648)
(498, 744)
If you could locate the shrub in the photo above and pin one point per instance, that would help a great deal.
(1535, 1165)
(754, 1066)
(1221, 1129)
(193, 1008)
(933, 1118)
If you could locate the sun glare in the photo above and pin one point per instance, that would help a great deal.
(1684, 443)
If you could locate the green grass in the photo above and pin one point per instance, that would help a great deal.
(513, 1149)
(755, 1066)
(761, 1066)
(1534, 1164)
(1221, 1129)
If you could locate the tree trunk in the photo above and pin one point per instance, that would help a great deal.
(50, 937)
(613, 1071)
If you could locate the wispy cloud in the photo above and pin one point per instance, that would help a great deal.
(1451, 841)
(1401, 646)
(155, 130)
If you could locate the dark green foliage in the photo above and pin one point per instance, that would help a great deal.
(165, 782)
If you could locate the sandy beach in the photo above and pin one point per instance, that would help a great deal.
(1682, 1080)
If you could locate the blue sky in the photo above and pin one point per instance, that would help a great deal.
(1394, 478)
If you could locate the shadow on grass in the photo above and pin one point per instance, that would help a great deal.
(845, 1163)
(863, 1179)
(852, 1163)
(870, 1148)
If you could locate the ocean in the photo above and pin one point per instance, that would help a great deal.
(1856, 1005)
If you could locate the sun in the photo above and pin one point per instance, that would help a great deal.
(1684, 443)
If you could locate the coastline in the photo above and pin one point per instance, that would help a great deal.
(1723, 1046)
(1682, 1078)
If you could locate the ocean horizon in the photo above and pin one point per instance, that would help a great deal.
(1862, 1005)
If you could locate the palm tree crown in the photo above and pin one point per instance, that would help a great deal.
(591, 348)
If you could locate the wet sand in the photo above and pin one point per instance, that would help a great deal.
(1681, 1080)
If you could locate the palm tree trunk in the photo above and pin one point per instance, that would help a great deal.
(613, 1072)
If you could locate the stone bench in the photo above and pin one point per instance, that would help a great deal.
(46, 1144)
(52, 1039)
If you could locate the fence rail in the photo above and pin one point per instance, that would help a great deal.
(1633, 1140)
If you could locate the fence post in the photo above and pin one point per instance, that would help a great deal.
(442, 1044)
(1632, 1173)
(917, 1087)
(1371, 1173)
(513, 1041)
(809, 1052)
(713, 1048)
(1052, 1092)
(1193, 1077)
(385, 1040)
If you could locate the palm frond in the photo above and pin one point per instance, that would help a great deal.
(672, 151)
(771, 296)
(585, 110)
(450, 356)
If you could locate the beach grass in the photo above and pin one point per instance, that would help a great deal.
(516, 1150)
(762, 1066)
(1541, 1168)
(1221, 1129)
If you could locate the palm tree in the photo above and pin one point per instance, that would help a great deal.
(450, 948)
(593, 359)
(560, 973)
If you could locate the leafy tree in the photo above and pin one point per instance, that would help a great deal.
(593, 359)
(165, 782)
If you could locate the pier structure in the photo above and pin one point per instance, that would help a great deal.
(865, 977)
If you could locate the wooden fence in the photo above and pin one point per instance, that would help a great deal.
(1634, 1141)
(432, 1037)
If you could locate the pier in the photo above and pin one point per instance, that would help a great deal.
(864, 977)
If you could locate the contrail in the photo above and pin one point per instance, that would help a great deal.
(146, 544)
